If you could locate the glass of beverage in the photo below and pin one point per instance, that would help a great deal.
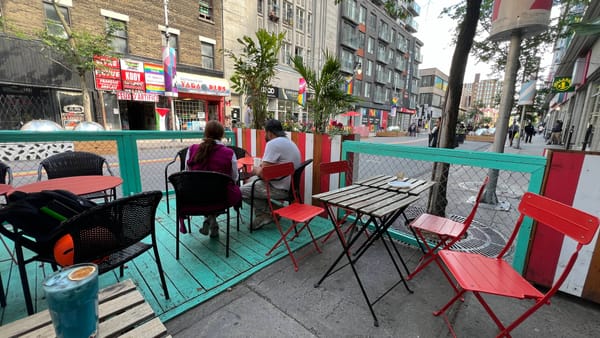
(72, 296)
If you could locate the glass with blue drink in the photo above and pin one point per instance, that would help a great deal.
(72, 296)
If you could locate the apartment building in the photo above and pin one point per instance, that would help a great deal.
(381, 57)
(310, 27)
(483, 95)
(34, 86)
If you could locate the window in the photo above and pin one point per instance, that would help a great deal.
(299, 52)
(309, 23)
(367, 86)
(370, 45)
(205, 10)
(288, 13)
(259, 6)
(356, 89)
(369, 71)
(361, 40)
(286, 53)
(208, 55)
(118, 36)
(53, 24)
(362, 15)
(372, 24)
(299, 19)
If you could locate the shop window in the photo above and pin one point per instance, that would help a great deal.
(53, 24)
(208, 55)
(173, 42)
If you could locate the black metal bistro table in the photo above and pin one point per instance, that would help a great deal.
(382, 203)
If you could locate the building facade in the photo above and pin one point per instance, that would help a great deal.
(482, 95)
(432, 95)
(310, 27)
(131, 85)
(381, 57)
(577, 58)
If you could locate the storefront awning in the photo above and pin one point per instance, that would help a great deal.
(200, 84)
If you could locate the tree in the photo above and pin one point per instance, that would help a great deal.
(327, 94)
(254, 69)
(75, 50)
(465, 38)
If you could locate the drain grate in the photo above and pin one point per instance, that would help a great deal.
(480, 238)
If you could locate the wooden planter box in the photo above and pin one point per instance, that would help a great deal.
(97, 147)
(391, 133)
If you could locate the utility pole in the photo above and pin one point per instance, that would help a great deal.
(166, 50)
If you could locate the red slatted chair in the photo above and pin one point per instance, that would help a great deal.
(447, 231)
(296, 211)
(495, 276)
(339, 167)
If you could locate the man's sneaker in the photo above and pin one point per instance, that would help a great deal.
(260, 221)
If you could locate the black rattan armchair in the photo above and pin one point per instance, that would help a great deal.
(77, 163)
(181, 155)
(201, 193)
(240, 153)
(109, 234)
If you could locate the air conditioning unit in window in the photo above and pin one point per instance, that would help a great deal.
(273, 16)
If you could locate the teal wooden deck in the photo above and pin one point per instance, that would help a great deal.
(201, 272)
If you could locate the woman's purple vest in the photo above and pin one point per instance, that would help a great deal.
(219, 161)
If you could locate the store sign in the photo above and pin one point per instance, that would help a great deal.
(199, 84)
(407, 110)
(132, 75)
(137, 96)
(155, 78)
(271, 91)
(107, 73)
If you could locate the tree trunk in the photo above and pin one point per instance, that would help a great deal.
(87, 101)
(467, 30)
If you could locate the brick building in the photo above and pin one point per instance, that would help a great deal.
(32, 86)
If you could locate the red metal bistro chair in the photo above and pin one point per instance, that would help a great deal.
(495, 276)
(296, 211)
(447, 231)
(339, 167)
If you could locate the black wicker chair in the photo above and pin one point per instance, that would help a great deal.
(296, 188)
(109, 234)
(181, 155)
(77, 163)
(201, 193)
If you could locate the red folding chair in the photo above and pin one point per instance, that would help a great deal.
(339, 167)
(495, 276)
(296, 212)
(446, 231)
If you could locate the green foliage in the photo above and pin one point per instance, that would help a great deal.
(254, 68)
(327, 96)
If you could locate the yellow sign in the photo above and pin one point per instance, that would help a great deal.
(562, 84)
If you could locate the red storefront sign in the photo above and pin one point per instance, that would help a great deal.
(132, 75)
(408, 111)
(107, 73)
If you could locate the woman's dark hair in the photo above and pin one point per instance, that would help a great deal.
(213, 132)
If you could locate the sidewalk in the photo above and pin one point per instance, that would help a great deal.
(278, 302)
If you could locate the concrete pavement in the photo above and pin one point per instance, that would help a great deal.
(277, 301)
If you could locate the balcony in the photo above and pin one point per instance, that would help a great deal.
(382, 56)
(411, 25)
(414, 8)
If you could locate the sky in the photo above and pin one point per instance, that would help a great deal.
(436, 35)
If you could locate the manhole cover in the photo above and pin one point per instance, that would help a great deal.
(480, 238)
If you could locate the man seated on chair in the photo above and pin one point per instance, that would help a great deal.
(279, 149)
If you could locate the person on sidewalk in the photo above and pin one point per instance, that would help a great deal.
(433, 135)
(556, 132)
(213, 155)
(529, 132)
(513, 130)
(279, 149)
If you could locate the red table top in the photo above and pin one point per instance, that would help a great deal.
(5, 188)
(79, 185)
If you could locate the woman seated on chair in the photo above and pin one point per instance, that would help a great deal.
(212, 155)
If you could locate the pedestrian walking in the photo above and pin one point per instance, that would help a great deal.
(529, 132)
(513, 130)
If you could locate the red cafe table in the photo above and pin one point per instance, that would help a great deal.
(79, 185)
(5, 189)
